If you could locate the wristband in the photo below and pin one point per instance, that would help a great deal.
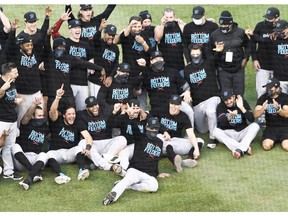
(57, 97)
(144, 43)
(88, 147)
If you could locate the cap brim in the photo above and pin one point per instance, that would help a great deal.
(278, 29)
(197, 16)
(31, 21)
(268, 17)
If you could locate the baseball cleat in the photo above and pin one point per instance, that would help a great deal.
(62, 179)
(116, 168)
(24, 185)
(200, 142)
(83, 174)
(37, 178)
(109, 198)
(177, 163)
(249, 151)
(189, 163)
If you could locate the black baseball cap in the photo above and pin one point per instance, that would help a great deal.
(135, 102)
(85, 6)
(59, 41)
(91, 101)
(124, 67)
(273, 82)
(30, 17)
(272, 13)
(227, 93)
(74, 23)
(175, 99)
(110, 29)
(23, 38)
(225, 18)
(198, 12)
(280, 26)
(155, 54)
(145, 15)
(153, 123)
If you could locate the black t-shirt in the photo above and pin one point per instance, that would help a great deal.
(161, 85)
(62, 135)
(280, 60)
(238, 122)
(273, 119)
(146, 154)
(132, 50)
(171, 46)
(32, 137)
(202, 80)
(173, 124)
(79, 50)
(7, 105)
(198, 34)
(98, 126)
(124, 123)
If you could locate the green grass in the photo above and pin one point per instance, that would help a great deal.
(219, 183)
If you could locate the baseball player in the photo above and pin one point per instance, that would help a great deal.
(95, 126)
(232, 129)
(274, 105)
(200, 73)
(65, 136)
(143, 169)
(173, 121)
(28, 152)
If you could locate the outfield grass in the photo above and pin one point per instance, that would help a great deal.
(219, 183)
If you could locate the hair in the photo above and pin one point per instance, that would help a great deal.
(79, 15)
(7, 67)
(137, 18)
(169, 10)
(194, 47)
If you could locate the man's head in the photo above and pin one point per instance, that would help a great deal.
(152, 128)
(146, 18)
(272, 15)
(59, 47)
(69, 115)
(9, 71)
(74, 27)
(25, 42)
(195, 54)
(280, 26)
(109, 33)
(157, 61)
(175, 104)
(226, 22)
(123, 72)
(92, 105)
(135, 104)
(38, 113)
(272, 87)
(86, 12)
(198, 15)
(136, 26)
(228, 97)
(30, 20)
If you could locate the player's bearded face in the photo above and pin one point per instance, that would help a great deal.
(93, 110)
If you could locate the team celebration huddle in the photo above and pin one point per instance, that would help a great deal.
(121, 99)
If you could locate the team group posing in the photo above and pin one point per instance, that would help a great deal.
(90, 108)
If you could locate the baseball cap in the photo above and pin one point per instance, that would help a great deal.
(280, 26)
(155, 54)
(145, 15)
(198, 12)
(175, 99)
(59, 41)
(225, 18)
(110, 29)
(85, 6)
(30, 17)
(272, 13)
(153, 123)
(273, 82)
(225, 94)
(23, 38)
(91, 101)
(124, 67)
(135, 102)
(74, 23)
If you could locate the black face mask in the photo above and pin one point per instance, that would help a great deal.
(197, 60)
(225, 30)
(151, 134)
(171, 24)
(146, 28)
(281, 36)
(39, 122)
(158, 66)
(58, 53)
(270, 24)
(122, 78)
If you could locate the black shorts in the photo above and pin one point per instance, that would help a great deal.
(277, 134)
